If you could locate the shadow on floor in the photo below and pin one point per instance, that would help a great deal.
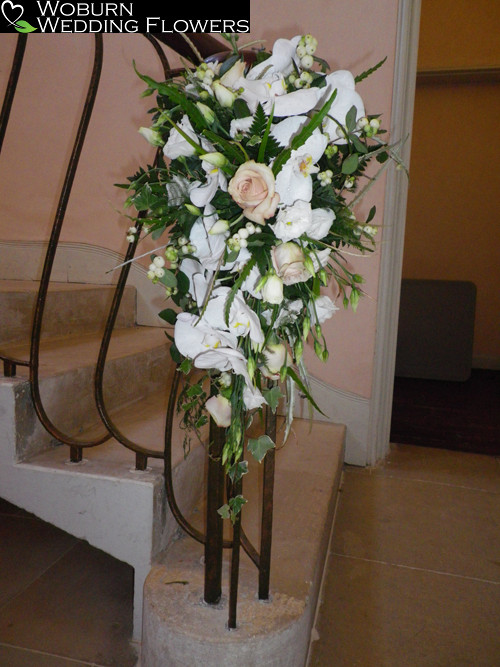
(61, 600)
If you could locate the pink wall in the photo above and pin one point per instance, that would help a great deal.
(351, 36)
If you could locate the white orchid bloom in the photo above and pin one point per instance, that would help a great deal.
(272, 95)
(250, 283)
(242, 320)
(220, 357)
(199, 279)
(295, 103)
(294, 181)
(209, 247)
(282, 59)
(343, 82)
(252, 397)
(202, 194)
(286, 129)
(194, 337)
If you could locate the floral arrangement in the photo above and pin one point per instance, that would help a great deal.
(259, 162)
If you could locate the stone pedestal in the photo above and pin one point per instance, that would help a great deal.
(181, 630)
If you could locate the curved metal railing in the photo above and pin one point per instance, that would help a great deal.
(191, 47)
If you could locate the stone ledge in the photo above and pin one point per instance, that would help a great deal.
(180, 630)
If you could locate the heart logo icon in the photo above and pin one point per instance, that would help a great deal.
(8, 6)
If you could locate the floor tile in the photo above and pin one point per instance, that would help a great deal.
(432, 526)
(29, 547)
(444, 466)
(377, 615)
(18, 657)
(80, 608)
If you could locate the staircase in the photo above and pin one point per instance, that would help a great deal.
(102, 499)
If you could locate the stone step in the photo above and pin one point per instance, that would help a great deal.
(71, 308)
(180, 630)
(138, 364)
(104, 499)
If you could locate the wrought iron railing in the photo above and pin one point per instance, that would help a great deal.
(218, 484)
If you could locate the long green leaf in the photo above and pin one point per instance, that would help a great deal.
(304, 134)
(263, 144)
(291, 373)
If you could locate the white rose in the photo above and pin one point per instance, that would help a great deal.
(293, 221)
(272, 291)
(322, 219)
(322, 309)
(275, 356)
(220, 410)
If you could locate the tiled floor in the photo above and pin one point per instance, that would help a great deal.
(413, 575)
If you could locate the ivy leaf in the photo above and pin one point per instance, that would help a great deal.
(231, 509)
(144, 199)
(272, 397)
(224, 511)
(237, 470)
(185, 366)
(259, 447)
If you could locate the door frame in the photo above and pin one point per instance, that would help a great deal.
(405, 74)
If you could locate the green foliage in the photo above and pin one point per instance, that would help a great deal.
(259, 447)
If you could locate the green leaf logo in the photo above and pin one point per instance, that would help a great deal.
(24, 26)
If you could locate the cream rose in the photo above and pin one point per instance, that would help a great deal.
(252, 188)
(288, 262)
